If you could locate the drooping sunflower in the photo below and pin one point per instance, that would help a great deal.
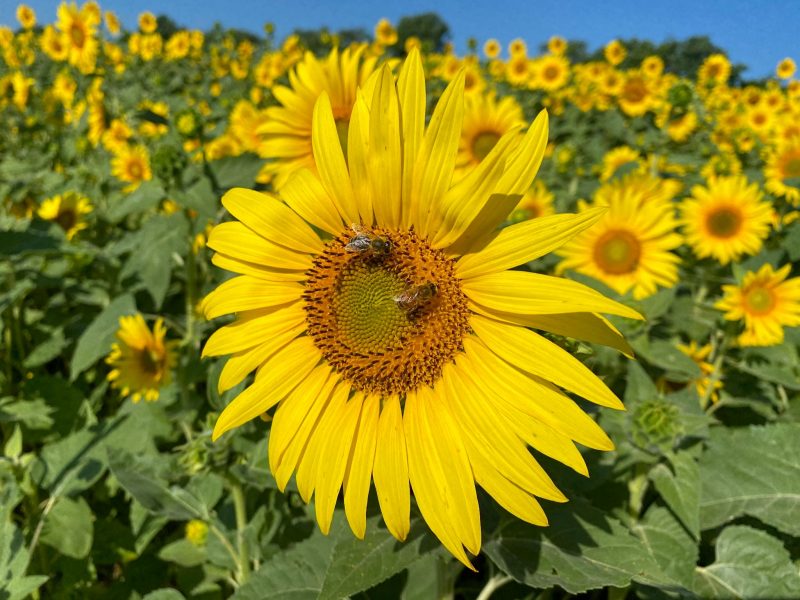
(399, 350)
(486, 121)
(287, 131)
(629, 249)
(131, 164)
(142, 360)
(782, 172)
(68, 210)
(726, 219)
(766, 301)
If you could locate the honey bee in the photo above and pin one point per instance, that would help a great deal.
(416, 297)
(364, 243)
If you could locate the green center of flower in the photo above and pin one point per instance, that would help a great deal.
(385, 309)
(617, 252)
(759, 300)
(724, 222)
(483, 144)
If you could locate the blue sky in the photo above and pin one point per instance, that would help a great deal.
(758, 33)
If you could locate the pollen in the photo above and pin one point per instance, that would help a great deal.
(368, 315)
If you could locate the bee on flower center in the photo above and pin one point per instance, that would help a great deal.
(368, 245)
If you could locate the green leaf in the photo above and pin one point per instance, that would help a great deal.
(47, 350)
(750, 564)
(95, 342)
(792, 242)
(184, 553)
(151, 259)
(14, 243)
(164, 594)
(753, 471)
(68, 527)
(640, 388)
(670, 546)
(666, 355)
(137, 475)
(680, 489)
(14, 557)
(582, 549)
(237, 171)
(145, 197)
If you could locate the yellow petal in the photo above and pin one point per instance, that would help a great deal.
(524, 164)
(536, 294)
(240, 242)
(508, 495)
(271, 219)
(253, 328)
(391, 470)
(308, 198)
(307, 464)
(384, 151)
(359, 470)
(588, 327)
(524, 242)
(358, 158)
(293, 409)
(337, 440)
(241, 364)
(411, 92)
(433, 170)
(241, 267)
(330, 159)
(287, 367)
(246, 293)
(534, 354)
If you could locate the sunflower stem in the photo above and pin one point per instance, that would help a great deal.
(188, 337)
(496, 581)
(240, 508)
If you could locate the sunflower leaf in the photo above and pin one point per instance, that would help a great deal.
(97, 338)
(753, 471)
(669, 544)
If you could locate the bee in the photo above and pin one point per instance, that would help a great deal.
(367, 244)
(416, 297)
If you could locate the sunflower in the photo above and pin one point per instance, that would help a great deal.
(142, 360)
(618, 158)
(518, 70)
(385, 33)
(557, 45)
(785, 68)
(782, 172)
(615, 52)
(629, 249)
(148, 22)
(486, 121)
(288, 130)
(766, 301)
(397, 350)
(552, 72)
(54, 44)
(715, 70)
(699, 354)
(726, 219)
(636, 96)
(491, 49)
(79, 28)
(518, 47)
(68, 210)
(131, 164)
(26, 16)
(681, 127)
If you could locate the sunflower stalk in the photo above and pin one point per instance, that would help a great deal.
(240, 509)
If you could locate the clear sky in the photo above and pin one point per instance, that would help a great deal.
(758, 33)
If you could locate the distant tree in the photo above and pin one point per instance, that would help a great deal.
(577, 52)
(166, 26)
(320, 41)
(429, 28)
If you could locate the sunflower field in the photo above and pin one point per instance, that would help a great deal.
(353, 315)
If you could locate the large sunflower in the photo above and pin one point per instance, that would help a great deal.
(782, 172)
(399, 350)
(287, 130)
(726, 219)
(629, 249)
(766, 301)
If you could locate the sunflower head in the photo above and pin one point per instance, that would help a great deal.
(68, 210)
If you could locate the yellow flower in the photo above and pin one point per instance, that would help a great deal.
(557, 45)
(652, 66)
(518, 48)
(726, 219)
(54, 44)
(142, 360)
(637, 95)
(68, 210)
(197, 532)
(766, 301)
(785, 68)
(715, 70)
(287, 133)
(629, 248)
(112, 22)
(486, 121)
(116, 137)
(26, 16)
(79, 28)
(702, 384)
(492, 48)
(615, 52)
(617, 158)
(518, 70)
(782, 172)
(552, 72)
(147, 22)
(398, 350)
(680, 128)
(385, 33)
(132, 164)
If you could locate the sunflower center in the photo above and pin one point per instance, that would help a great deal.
(759, 300)
(483, 144)
(551, 73)
(724, 222)
(792, 167)
(77, 35)
(135, 170)
(385, 309)
(617, 252)
(150, 361)
(67, 219)
(635, 90)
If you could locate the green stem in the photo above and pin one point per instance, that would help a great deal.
(188, 337)
(224, 540)
(240, 508)
(492, 585)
